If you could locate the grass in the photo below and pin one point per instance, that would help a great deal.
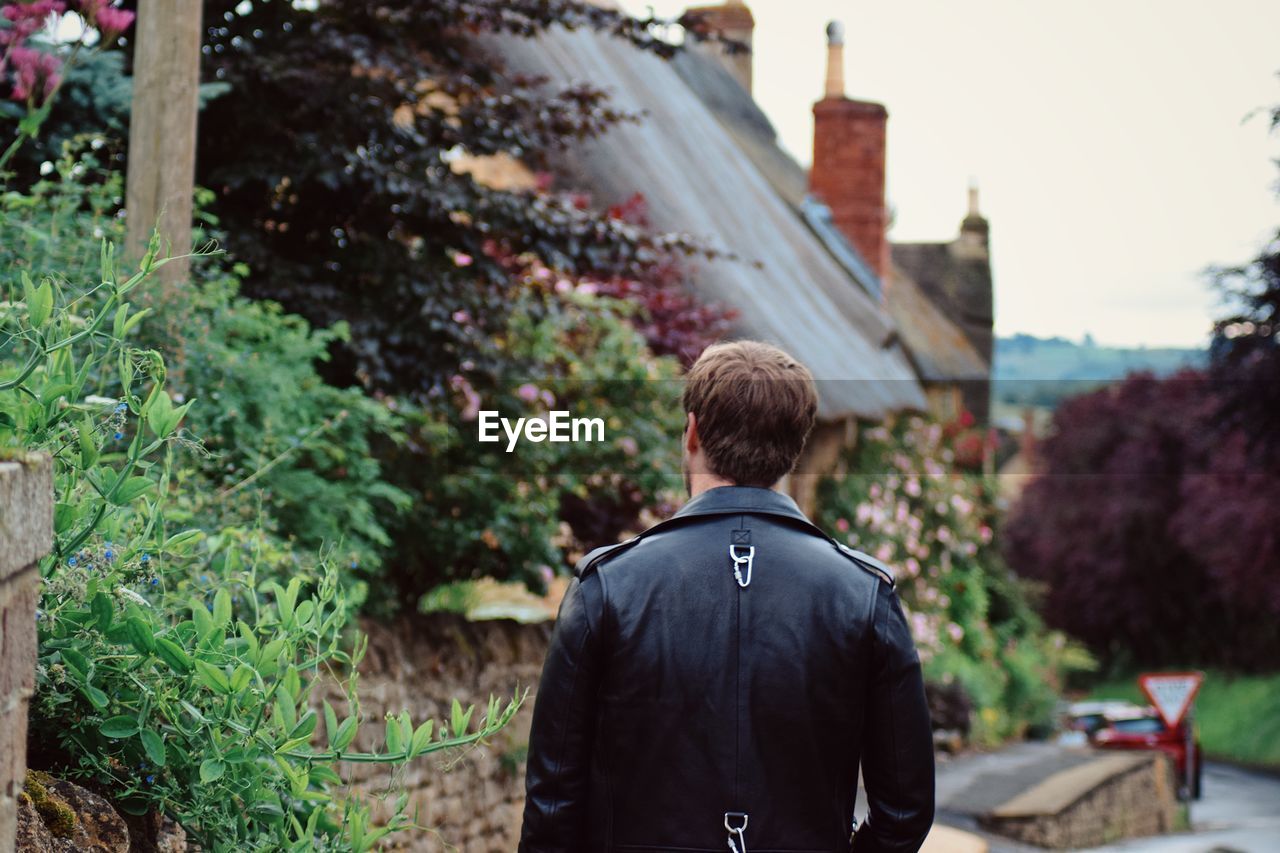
(1238, 716)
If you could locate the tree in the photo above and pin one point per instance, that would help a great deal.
(336, 163)
(1155, 521)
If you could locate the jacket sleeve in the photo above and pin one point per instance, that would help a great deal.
(558, 774)
(897, 749)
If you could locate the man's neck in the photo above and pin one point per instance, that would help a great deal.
(699, 483)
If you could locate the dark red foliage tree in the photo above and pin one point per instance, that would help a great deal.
(1155, 523)
(1094, 527)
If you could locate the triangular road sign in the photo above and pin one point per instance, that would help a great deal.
(1171, 693)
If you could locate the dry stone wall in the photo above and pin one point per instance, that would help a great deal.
(472, 801)
(26, 534)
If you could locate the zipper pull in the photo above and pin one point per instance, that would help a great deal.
(740, 560)
(739, 831)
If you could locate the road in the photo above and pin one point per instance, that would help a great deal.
(1239, 813)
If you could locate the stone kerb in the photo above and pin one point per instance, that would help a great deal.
(26, 535)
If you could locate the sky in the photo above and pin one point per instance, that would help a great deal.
(1108, 141)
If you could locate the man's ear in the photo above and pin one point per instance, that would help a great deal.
(691, 442)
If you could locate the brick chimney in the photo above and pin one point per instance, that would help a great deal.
(848, 160)
(734, 20)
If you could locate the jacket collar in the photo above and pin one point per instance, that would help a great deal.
(725, 500)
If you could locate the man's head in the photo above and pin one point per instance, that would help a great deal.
(748, 410)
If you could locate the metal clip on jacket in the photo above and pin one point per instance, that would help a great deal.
(740, 561)
(738, 831)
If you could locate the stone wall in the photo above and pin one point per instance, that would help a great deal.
(1120, 795)
(472, 801)
(26, 534)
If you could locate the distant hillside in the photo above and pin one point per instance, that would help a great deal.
(1041, 371)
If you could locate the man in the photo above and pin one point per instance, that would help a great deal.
(720, 678)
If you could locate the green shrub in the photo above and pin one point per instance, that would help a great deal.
(279, 446)
(481, 511)
(170, 671)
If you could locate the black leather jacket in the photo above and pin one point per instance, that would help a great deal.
(680, 698)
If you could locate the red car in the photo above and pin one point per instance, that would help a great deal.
(1146, 730)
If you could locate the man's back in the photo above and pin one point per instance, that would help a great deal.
(720, 680)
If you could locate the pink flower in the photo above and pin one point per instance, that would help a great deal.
(628, 445)
(461, 318)
(527, 392)
(589, 287)
(955, 631)
(111, 22)
(563, 286)
(34, 73)
(842, 524)
(462, 259)
(471, 400)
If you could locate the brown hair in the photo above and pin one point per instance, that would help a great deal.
(754, 406)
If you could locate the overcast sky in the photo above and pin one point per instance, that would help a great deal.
(1108, 140)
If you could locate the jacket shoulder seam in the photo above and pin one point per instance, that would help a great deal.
(868, 564)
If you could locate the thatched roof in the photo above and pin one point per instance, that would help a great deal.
(699, 178)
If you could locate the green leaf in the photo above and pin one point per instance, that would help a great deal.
(221, 607)
(421, 738)
(285, 600)
(140, 635)
(55, 391)
(130, 489)
(267, 810)
(459, 719)
(306, 610)
(200, 616)
(173, 655)
(102, 610)
(39, 302)
(240, 678)
(135, 320)
(346, 733)
(122, 726)
(211, 770)
(213, 677)
(74, 659)
(395, 742)
(181, 543)
(64, 516)
(324, 776)
(158, 410)
(269, 657)
(96, 697)
(117, 323)
(330, 719)
(305, 726)
(88, 448)
(153, 745)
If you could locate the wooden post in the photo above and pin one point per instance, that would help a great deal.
(162, 129)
